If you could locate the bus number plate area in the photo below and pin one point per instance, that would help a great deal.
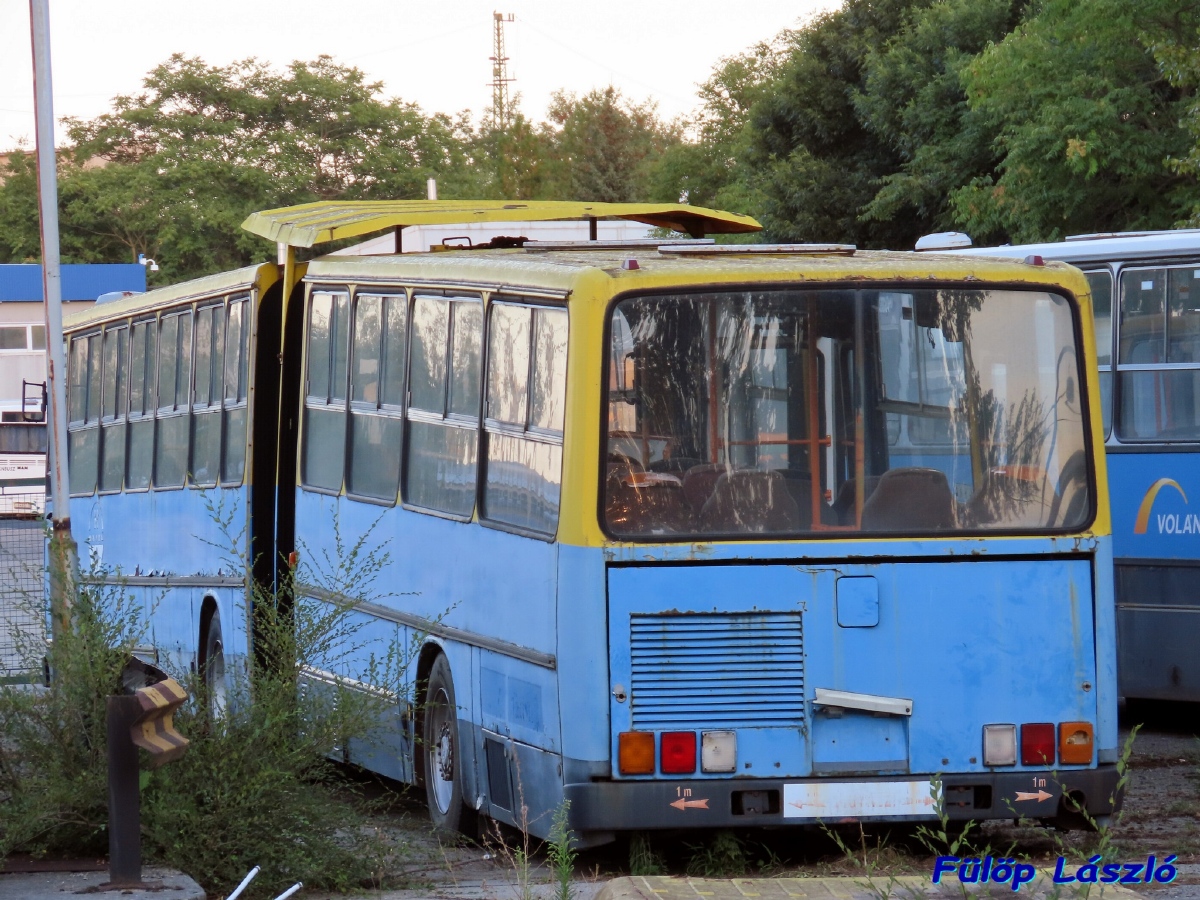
(840, 800)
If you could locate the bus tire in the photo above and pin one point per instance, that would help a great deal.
(216, 687)
(442, 752)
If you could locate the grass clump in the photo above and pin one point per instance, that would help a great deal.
(257, 785)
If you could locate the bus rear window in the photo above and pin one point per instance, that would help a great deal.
(799, 412)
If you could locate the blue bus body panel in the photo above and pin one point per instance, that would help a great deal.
(1168, 485)
(969, 642)
(151, 538)
(453, 575)
(1156, 546)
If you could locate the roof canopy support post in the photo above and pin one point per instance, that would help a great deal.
(399, 239)
(593, 231)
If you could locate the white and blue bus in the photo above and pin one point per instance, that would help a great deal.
(1146, 301)
(643, 511)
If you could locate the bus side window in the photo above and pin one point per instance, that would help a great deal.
(237, 352)
(84, 406)
(325, 402)
(174, 387)
(525, 416)
(443, 411)
(1158, 359)
(375, 434)
(206, 395)
(1101, 284)
(139, 458)
(113, 408)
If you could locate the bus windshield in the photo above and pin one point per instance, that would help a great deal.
(809, 411)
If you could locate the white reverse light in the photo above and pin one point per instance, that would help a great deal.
(999, 745)
(718, 751)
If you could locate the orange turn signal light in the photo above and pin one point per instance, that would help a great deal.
(635, 752)
(1075, 741)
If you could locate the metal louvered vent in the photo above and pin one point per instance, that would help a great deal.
(707, 669)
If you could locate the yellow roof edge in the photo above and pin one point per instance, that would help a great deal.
(320, 222)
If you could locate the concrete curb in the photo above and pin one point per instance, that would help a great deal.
(57, 885)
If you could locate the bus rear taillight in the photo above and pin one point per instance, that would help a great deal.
(635, 752)
(1037, 744)
(1075, 743)
(678, 752)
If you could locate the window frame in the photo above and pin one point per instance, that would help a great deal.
(85, 424)
(1117, 367)
(451, 297)
(245, 375)
(30, 344)
(525, 431)
(177, 409)
(1084, 375)
(106, 421)
(215, 406)
(329, 404)
(389, 411)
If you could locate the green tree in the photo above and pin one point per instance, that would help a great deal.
(914, 101)
(1176, 47)
(811, 155)
(1085, 122)
(172, 171)
(603, 147)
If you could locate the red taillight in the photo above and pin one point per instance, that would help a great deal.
(678, 752)
(1037, 744)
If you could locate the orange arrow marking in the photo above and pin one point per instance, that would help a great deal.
(690, 804)
(1039, 796)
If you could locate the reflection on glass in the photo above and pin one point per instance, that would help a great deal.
(547, 401)
(395, 344)
(430, 330)
(522, 484)
(320, 319)
(364, 379)
(508, 363)
(1101, 285)
(465, 359)
(441, 467)
(792, 412)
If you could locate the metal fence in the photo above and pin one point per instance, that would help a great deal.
(22, 591)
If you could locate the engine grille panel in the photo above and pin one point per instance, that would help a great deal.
(739, 670)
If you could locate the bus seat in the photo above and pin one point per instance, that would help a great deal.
(750, 500)
(914, 497)
(644, 503)
(799, 485)
(699, 482)
(843, 504)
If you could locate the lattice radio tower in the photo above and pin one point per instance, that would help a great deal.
(501, 113)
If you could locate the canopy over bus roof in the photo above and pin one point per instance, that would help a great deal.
(318, 223)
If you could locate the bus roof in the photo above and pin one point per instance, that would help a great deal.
(561, 270)
(1088, 248)
(262, 275)
(318, 223)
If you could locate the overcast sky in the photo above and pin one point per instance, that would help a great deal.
(432, 53)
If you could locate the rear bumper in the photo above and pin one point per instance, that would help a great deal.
(645, 805)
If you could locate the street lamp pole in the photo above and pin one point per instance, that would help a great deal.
(63, 557)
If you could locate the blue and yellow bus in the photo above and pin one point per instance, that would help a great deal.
(1146, 301)
(643, 512)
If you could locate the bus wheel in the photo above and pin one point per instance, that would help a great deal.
(442, 752)
(214, 669)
